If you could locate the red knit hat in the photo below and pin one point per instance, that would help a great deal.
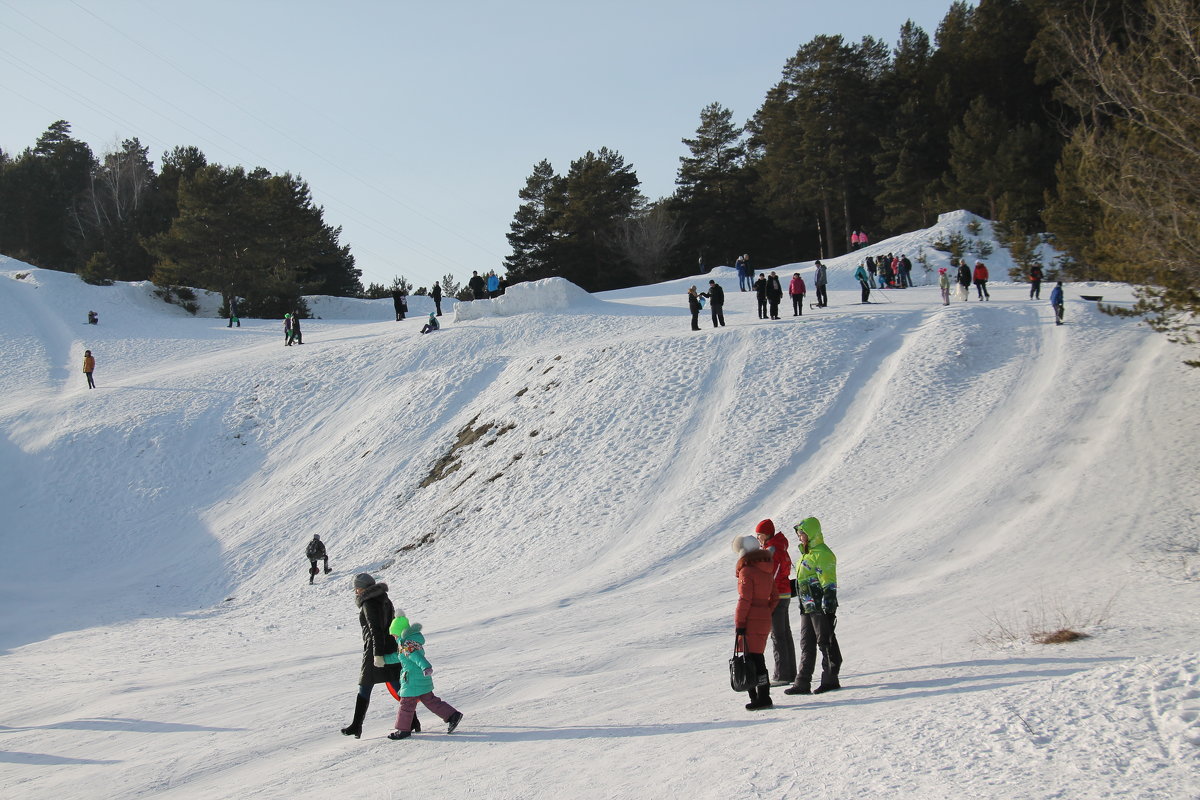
(766, 526)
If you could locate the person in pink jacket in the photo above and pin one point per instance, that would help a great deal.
(797, 290)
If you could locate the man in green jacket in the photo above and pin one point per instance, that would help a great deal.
(816, 579)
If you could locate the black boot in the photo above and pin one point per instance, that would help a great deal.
(753, 704)
(416, 726)
(799, 688)
(360, 711)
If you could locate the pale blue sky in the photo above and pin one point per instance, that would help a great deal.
(415, 123)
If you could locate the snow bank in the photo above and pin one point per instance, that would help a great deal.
(547, 294)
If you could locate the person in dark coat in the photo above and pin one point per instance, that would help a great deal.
(716, 303)
(399, 304)
(964, 280)
(694, 307)
(1035, 282)
(436, 294)
(822, 282)
(375, 615)
(296, 338)
(774, 293)
(478, 286)
(760, 294)
(316, 552)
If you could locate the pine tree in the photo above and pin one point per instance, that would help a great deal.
(532, 232)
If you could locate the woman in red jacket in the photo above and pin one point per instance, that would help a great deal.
(797, 290)
(981, 279)
(757, 598)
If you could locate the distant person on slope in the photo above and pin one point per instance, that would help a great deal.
(774, 293)
(398, 304)
(760, 295)
(493, 284)
(694, 307)
(964, 280)
(89, 366)
(436, 294)
(234, 319)
(816, 581)
(864, 281)
(431, 325)
(981, 279)
(416, 681)
(375, 616)
(1035, 282)
(1056, 301)
(316, 552)
(296, 328)
(287, 330)
(757, 598)
(797, 290)
(944, 285)
(716, 303)
(822, 281)
(775, 543)
(478, 286)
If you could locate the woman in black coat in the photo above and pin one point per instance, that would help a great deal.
(375, 616)
(694, 307)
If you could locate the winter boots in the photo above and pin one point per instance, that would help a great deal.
(452, 723)
(360, 711)
(760, 698)
(802, 688)
(827, 686)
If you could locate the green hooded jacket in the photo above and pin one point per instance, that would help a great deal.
(816, 570)
(413, 680)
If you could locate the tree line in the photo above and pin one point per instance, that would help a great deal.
(1072, 120)
(248, 234)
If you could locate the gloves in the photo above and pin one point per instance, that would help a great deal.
(428, 671)
(829, 599)
(807, 606)
(739, 631)
(379, 662)
(391, 658)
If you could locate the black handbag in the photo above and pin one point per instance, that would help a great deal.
(741, 671)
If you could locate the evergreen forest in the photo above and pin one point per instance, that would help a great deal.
(1076, 121)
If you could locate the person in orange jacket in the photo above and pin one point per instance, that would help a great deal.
(89, 366)
(782, 642)
(757, 599)
(981, 279)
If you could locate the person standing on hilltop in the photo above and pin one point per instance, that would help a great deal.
(716, 303)
(797, 290)
(89, 366)
(822, 282)
(436, 294)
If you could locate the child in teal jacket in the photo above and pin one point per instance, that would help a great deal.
(416, 681)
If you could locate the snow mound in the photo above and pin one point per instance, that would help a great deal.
(547, 294)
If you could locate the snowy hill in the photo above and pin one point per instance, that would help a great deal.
(549, 485)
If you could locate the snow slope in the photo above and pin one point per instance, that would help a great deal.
(549, 485)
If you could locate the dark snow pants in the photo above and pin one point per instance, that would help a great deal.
(822, 296)
(782, 642)
(866, 292)
(818, 634)
(718, 314)
(797, 305)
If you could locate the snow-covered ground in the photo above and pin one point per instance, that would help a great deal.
(977, 469)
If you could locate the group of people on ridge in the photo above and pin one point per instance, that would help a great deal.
(765, 590)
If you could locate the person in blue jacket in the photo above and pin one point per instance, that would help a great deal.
(432, 324)
(1056, 300)
(416, 679)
